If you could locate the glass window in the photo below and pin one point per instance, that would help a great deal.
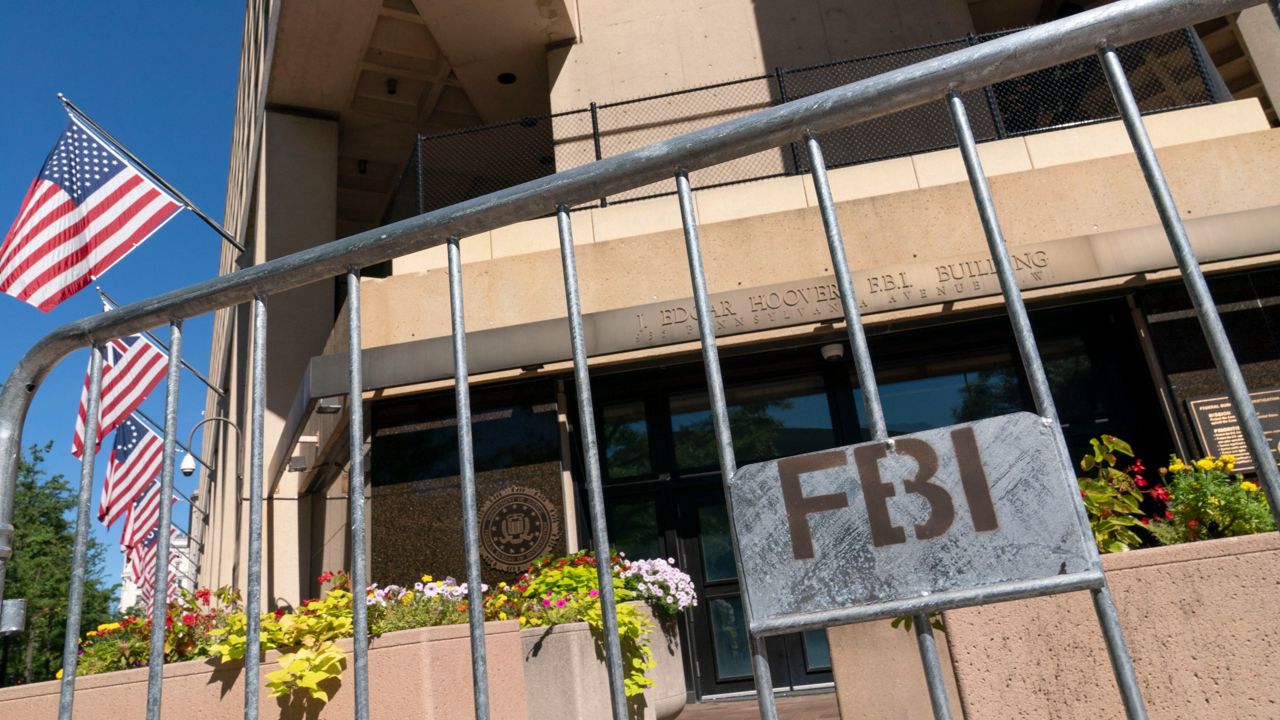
(931, 402)
(633, 526)
(625, 439)
(717, 544)
(768, 420)
(503, 437)
(729, 638)
(817, 653)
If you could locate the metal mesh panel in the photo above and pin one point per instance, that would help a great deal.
(1167, 71)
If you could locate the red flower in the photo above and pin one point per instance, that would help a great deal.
(1168, 514)
(203, 596)
(1159, 493)
(325, 577)
(188, 619)
(1140, 482)
(1146, 521)
(1192, 523)
(279, 613)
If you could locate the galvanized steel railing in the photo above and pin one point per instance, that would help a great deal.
(798, 121)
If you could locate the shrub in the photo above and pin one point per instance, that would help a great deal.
(1113, 498)
(1207, 500)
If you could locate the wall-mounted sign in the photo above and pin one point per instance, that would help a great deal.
(517, 526)
(969, 506)
(1218, 428)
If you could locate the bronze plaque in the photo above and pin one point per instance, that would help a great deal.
(517, 526)
(1219, 430)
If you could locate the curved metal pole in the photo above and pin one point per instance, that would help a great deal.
(239, 470)
(967, 69)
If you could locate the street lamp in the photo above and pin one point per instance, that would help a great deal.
(188, 467)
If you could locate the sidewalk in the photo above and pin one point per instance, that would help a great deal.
(821, 706)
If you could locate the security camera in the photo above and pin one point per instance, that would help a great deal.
(833, 352)
(188, 465)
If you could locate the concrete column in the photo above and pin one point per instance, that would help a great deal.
(1261, 39)
(296, 209)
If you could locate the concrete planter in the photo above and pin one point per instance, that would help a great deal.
(565, 677)
(423, 673)
(1199, 619)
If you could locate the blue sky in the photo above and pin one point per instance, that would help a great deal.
(161, 78)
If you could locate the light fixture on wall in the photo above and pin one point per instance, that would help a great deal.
(833, 352)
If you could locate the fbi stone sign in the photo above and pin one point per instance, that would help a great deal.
(517, 526)
(958, 508)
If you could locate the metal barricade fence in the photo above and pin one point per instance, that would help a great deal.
(946, 78)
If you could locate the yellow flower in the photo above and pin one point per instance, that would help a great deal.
(502, 616)
(91, 633)
(108, 627)
(1205, 464)
(406, 598)
(59, 674)
(1248, 486)
(1177, 466)
(1214, 501)
(427, 578)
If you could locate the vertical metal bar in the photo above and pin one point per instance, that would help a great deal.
(75, 594)
(595, 138)
(160, 590)
(1275, 9)
(1108, 619)
(591, 462)
(1214, 86)
(848, 298)
(355, 496)
(1215, 335)
(417, 171)
(929, 659)
(467, 472)
(780, 76)
(724, 435)
(253, 597)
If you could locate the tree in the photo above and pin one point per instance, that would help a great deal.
(40, 571)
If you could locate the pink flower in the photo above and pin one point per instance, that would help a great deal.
(560, 603)
(593, 593)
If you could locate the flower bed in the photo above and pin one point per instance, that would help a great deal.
(422, 673)
(313, 643)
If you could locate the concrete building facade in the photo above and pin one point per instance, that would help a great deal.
(331, 107)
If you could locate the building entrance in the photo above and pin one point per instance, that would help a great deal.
(663, 489)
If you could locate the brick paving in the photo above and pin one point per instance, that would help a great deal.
(819, 706)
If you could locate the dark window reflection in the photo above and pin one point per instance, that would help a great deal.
(503, 437)
(624, 438)
(768, 420)
(633, 526)
(925, 403)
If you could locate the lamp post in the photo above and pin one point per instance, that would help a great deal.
(188, 467)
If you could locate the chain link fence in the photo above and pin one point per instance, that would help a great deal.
(1168, 72)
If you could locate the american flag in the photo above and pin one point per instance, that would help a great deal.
(135, 462)
(131, 368)
(142, 565)
(86, 209)
(144, 513)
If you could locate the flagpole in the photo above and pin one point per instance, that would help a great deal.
(151, 336)
(156, 426)
(70, 106)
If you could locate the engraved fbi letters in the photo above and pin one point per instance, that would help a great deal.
(876, 490)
